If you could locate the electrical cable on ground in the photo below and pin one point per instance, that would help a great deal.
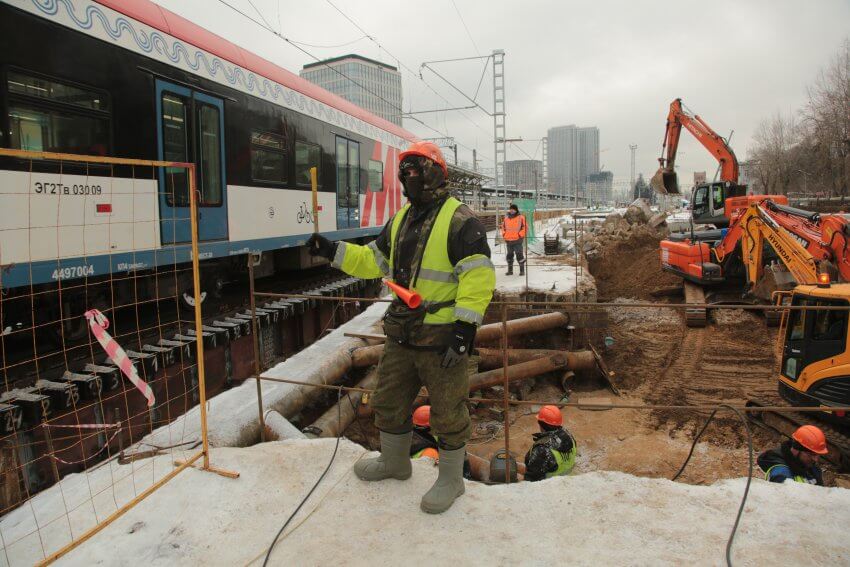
(316, 485)
(749, 473)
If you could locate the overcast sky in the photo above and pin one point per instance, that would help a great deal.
(611, 64)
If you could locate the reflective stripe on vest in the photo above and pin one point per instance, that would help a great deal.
(437, 281)
(795, 478)
(513, 227)
(565, 463)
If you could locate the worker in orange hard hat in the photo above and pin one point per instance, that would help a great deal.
(514, 231)
(422, 437)
(554, 450)
(437, 247)
(796, 459)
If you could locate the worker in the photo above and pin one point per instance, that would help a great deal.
(554, 450)
(423, 442)
(796, 459)
(437, 247)
(513, 231)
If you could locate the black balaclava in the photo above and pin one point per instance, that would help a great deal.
(428, 186)
(513, 211)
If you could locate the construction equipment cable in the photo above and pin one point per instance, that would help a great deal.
(315, 486)
(749, 473)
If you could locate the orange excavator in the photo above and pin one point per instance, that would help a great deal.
(708, 199)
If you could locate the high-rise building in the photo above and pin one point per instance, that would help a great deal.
(365, 82)
(524, 174)
(599, 188)
(573, 154)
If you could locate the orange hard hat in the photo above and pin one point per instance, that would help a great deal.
(428, 150)
(431, 452)
(550, 415)
(422, 416)
(811, 438)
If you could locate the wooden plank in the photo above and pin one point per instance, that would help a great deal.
(607, 375)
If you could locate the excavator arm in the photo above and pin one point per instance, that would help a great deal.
(665, 179)
(759, 228)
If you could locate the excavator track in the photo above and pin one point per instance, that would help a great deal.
(786, 423)
(695, 295)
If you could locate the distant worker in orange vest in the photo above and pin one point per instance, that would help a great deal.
(513, 231)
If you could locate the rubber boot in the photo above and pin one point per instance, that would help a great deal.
(449, 483)
(394, 461)
(510, 271)
(522, 269)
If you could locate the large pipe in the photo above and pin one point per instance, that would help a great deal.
(534, 324)
(333, 422)
(490, 358)
(279, 428)
(530, 369)
(369, 356)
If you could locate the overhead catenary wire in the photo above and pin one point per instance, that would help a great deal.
(271, 30)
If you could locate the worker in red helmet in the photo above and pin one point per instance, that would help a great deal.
(436, 247)
(554, 450)
(796, 459)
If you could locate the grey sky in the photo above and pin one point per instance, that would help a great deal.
(615, 65)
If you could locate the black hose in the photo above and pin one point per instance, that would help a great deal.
(749, 474)
(321, 478)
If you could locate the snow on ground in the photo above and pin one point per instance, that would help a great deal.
(233, 415)
(597, 518)
(544, 273)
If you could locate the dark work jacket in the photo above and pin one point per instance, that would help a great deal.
(539, 460)
(780, 465)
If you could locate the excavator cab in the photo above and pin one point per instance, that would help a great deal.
(708, 202)
(815, 367)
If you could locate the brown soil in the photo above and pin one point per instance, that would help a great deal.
(630, 268)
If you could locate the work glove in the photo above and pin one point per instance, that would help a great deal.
(460, 345)
(318, 245)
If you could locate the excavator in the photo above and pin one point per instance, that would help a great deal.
(708, 199)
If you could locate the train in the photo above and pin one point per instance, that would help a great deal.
(134, 80)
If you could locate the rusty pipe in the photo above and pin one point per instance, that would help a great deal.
(492, 357)
(333, 422)
(370, 355)
(535, 323)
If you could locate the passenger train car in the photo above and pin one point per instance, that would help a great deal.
(131, 79)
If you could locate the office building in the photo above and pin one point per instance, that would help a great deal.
(573, 155)
(365, 82)
(524, 174)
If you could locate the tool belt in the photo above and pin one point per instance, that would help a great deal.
(407, 327)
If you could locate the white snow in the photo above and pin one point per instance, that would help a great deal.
(545, 274)
(598, 518)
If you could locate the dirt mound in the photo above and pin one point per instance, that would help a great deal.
(630, 267)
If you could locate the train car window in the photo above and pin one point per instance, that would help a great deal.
(268, 157)
(210, 154)
(46, 89)
(354, 172)
(175, 145)
(307, 156)
(48, 115)
(376, 176)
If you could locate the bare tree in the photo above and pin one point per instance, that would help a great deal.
(774, 138)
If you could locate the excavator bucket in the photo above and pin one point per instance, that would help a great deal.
(665, 182)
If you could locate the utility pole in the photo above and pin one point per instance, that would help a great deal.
(632, 147)
(499, 142)
(546, 171)
(474, 159)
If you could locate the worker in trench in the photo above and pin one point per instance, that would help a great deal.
(426, 444)
(513, 232)
(437, 247)
(796, 459)
(554, 450)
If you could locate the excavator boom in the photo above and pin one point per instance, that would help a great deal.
(665, 179)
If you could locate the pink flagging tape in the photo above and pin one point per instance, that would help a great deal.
(98, 324)
(90, 457)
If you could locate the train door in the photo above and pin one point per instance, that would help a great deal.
(347, 183)
(190, 128)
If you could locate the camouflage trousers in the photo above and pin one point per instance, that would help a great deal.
(401, 373)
